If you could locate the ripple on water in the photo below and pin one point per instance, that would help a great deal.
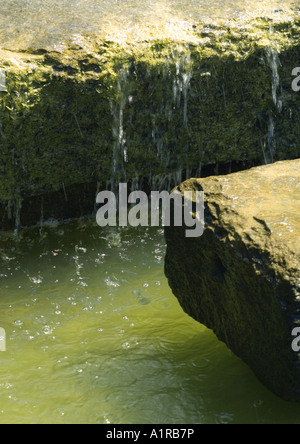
(124, 353)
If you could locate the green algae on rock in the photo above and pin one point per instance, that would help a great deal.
(104, 111)
(242, 277)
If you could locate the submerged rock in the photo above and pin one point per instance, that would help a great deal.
(242, 277)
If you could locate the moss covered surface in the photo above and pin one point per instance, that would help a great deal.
(102, 111)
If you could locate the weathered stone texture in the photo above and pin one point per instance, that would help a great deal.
(242, 277)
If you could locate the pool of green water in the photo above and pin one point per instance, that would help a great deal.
(94, 335)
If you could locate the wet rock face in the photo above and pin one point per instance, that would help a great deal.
(242, 277)
(104, 111)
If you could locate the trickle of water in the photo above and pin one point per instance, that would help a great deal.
(273, 60)
(120, 149)
(175, 76)
(181, 81)
(166, 181)
(18, 207)
(271, 140)
(274, 63)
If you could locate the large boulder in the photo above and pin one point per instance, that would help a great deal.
(242, 277)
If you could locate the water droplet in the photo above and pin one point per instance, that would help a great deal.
(36, 280)
(47, 330)
(111, 283)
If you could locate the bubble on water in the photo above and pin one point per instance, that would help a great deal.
(36, 280)
(83, 250)
(98, 261)
(18, 323)
(110, 283)
(82, 284)
(47, 330)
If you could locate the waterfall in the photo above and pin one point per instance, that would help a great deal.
(174, 83)
(42, 218)
(13, 211)
(274, 64)
(18, 207)
(178, 72)
(120, 150)
(181, 82)
(167, 182)
(271, 140)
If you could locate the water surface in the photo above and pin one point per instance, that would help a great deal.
(94, 335)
